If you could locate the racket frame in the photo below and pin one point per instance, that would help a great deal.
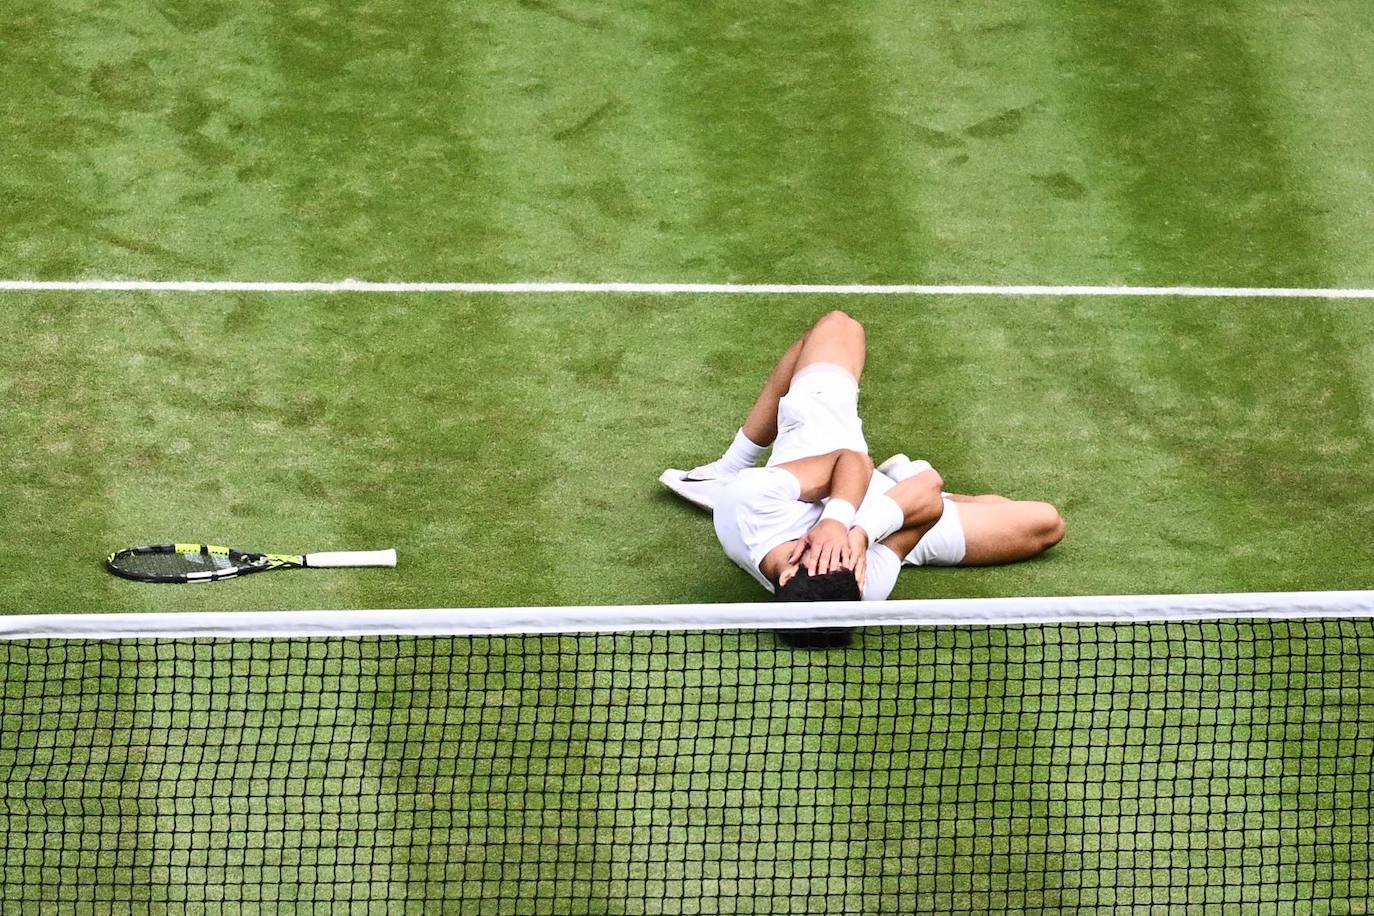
(245, 563)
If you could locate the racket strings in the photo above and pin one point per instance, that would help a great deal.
(174, 564)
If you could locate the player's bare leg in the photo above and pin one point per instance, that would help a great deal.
(761, 425)
(835, 338)
(999, 530)
(996, 529)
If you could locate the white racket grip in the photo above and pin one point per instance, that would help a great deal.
(352, 558)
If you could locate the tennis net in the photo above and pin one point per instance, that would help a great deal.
(1197, 765)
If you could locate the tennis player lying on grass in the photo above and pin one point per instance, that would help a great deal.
(818, 523)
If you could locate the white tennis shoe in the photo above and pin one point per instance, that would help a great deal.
(891, 464)
(701, 486)
(895, 465)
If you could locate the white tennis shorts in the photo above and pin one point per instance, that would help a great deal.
(819, 414)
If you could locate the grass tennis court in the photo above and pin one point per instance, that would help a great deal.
(1193, 445)
(508, 445)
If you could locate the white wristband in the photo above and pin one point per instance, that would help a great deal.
(879, 517)
(841, 510)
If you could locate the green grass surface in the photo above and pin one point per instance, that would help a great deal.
(508, 445)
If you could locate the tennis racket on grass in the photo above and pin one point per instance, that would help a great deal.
(208, 563)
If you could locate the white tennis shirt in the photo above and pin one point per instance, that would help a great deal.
(762, 508)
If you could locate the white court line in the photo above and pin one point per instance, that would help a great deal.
(735, 289)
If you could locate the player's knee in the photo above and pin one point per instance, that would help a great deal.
(1048, 525)
(840, 323)
(932, 487)
(933, 504)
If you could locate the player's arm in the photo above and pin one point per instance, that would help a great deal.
(892, 513)
(922, 503)
(842, 475)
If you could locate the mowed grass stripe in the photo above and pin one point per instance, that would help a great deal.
(1007, 189)
(1174, 97)
(382, 158)
(48, 128)
(1004, 178)
(1259, 409)
(803, 184)
(592, 171)
(58, 476)
(139, 159)
(214, 440)
(1317, 68)
(437, 432)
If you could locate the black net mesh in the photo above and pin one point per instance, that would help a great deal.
(1205, 767)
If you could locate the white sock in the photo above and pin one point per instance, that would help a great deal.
(907, 469)
(743, 453)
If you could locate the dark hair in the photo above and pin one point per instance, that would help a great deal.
(840, 585)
